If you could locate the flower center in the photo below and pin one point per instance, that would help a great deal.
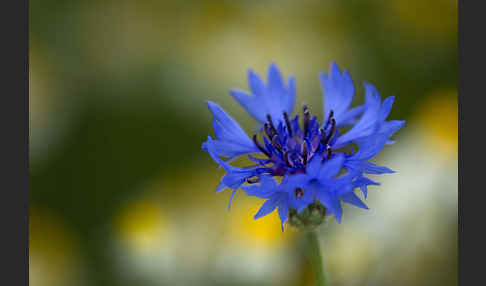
(289, 147)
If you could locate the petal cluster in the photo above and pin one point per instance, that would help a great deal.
(301, 161)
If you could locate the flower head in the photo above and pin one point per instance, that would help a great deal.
(300, 162)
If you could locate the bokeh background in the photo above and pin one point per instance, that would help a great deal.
(122, 194)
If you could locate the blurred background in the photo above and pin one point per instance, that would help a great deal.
(122, 194)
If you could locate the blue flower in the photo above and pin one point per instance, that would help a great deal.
(306, 157)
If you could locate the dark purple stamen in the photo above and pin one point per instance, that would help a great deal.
(306, 120)
(287, 159)
(276, 144)
(329, 152)
(322, 139)
(269, 118)
(331, 115)
(278, 171)
(304, 151)
(267, 130)
(287, 122)
(260, 147)
(323, 135)
(333, 128)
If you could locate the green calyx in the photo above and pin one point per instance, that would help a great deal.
(310, 218)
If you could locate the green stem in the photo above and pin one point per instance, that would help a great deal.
(316, 258)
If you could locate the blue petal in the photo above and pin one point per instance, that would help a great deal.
(386, 108)
(290, 99)
(296, 181)
(231, 140)
(362, 183)
(371, 145)
(273, 98)
(331, 203)
(228, 149)
(267, 207)
(251, 103)
(268, 182)
(353, 165)
(258, 191)
(234, 180)
(235, 177)
(264, 190)
(231, 198)
(220, 187)
(257, 86)
(353, 199)
(275, 81)
(342, 184)
(210, 147)
(349, 117)
(278, 92)
(283, 212)
(373, 119)
(390, 127)
(331, 167)
(371, 168)
(338, 91)
(367, 123)
(313, 167)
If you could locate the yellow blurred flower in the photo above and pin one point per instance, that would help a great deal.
(142, 224)
(263, 233)
(438, 118)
